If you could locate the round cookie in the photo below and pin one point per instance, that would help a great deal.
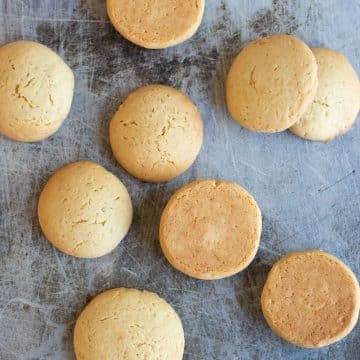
(210, 229)
(337, 101)
(156, 24)
(84, 210)
(128, 324)
(157, 133)
(271, 83)
(311, 299)
(36, 89)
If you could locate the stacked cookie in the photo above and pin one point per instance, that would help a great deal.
(210, 229)
(278, 83)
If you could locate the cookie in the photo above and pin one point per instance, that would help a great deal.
(337, 101)
(128, 324)
(156, 24)
(271, 83)
(210, 229)
(36, 91)
(84, 210)
(157, 133)
(311, 299)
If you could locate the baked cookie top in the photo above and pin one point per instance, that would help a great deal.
(157, 133)
(271, 83)
(36, 91)
(337, 101)
(128, 324)
(84, 210)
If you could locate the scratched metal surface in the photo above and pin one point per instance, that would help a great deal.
(308, 192)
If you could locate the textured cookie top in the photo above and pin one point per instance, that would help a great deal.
(157, 133)
(271, 83)
(36, 89)
(156, 24)
(337, 101)
(311, 299)
(84, 210)
(210, 229)
(128, 324)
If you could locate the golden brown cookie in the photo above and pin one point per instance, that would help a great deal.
(311, 299)
(128, 324)
(210, 229)
(156, 24)
(157, 133)
(84, 210)
(271, 83)
(337, 101)
(36, 88)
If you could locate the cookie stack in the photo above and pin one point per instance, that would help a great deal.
(278, 83)
(210, 229)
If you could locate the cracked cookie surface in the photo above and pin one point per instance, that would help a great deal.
(311, 299)
(128, 324)
(156, 24)
(337, 101)
(36, 91)
(157, 133)
(84, 210)
(271, 83)
(210, 229)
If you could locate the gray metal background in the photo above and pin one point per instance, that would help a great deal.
(308, 192)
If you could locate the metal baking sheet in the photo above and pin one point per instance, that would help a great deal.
(308, 192)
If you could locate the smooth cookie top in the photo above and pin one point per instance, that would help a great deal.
(311, 299)
(84, 210)
(157, 133)
(36, 89)
(210, 229)
(271, 83)
(128, 324)
(337, 101)
(156, 24)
